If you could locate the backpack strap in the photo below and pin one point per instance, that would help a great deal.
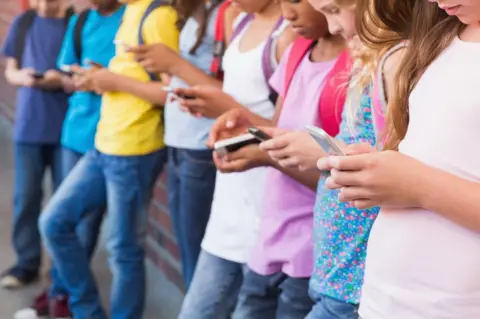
(155, 4)
(219, 47)
(24, 23)
(69, 13)
(77, 33)
(300, 48)
(267, 66)
(334, 93)
(379, 98)
(241, 25)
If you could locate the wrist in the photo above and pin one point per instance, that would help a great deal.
(175, 68)
(424, 186)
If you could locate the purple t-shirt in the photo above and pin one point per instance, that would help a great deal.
(285, 242)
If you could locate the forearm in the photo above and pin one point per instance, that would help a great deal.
(307, 178)
(12, 77)
(191, 75)
(149, 91)
(453, 197)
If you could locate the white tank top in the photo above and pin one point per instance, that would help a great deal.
(419, 264)
(234, 220)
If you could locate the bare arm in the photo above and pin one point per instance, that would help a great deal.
(308, 178)
(192, 75)
(149, 91)
(14, 75)
(457, 202)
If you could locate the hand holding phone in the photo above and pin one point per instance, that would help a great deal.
(38, 76)
(169, 89)
(326, 142)
(234, 144)
(125, 46)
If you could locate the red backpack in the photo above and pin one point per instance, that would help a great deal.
(334, 93)
(216, 66)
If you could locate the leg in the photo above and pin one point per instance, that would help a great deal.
(191, 187)
(83, 191)
(214, 289)
(29, 171)
(329, 308)
(129, 186)
(294, 302)
(258, 299)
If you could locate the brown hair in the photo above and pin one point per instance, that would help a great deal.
(187, 9)
(429, 31)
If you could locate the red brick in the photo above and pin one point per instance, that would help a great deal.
(156, 232)
(171, 272)
(161, 216)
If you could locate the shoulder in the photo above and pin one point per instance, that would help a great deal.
(285, 39)
(163, 17)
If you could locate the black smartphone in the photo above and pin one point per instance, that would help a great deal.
(259, 134)
(38, 76)
(235, 143)
(169, 89)
(95, 64)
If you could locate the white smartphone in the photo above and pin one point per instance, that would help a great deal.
(233, 144)
(326, 142)
(168, 89)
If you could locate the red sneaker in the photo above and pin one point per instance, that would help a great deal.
(39, 309)
(59, 308)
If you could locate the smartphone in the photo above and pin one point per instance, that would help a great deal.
(234, 144)
(169, 89)
(259, 134)
(67, 70)
(326, 142)
(38, 76)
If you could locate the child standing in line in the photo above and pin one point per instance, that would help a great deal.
(40, 110)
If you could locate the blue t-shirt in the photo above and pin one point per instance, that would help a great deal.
(84, 107)
(181, 129)
(40, 113)
(341, 231)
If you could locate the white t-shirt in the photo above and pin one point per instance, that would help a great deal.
(419, 264)
(234, 221)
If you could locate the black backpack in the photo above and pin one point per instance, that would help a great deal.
(24, 24)
(77, 33)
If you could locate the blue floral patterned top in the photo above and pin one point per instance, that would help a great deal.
(341, 231)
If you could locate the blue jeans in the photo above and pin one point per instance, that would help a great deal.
(191, 184)
(124, 184)
(329, 308)
(87, 230)
(214, 289)
(275, 296)
(31, 161)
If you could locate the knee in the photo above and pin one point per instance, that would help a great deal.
(51, 223)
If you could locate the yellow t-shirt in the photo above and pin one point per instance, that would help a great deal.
(130, 125)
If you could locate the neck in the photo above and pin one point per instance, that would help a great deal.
(270, 11)
(327, 48)
(109, 11)
(60, 14)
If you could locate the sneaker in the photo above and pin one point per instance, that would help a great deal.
(59, 308)
(16, 277)
(39, 309)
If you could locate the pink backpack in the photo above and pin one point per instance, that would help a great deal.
(333, 96)
(379, 100)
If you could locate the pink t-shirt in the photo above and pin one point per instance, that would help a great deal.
(285, 241)
(421, 265)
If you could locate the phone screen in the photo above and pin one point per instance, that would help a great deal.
(38, 76)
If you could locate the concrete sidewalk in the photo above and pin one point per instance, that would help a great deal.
(10, 301)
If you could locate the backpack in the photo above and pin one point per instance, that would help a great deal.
(156, 4)
(334, 93)
(77, 33)
(25, 22)
(219, 42)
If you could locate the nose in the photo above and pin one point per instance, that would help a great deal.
(288, 14)
(334, 29)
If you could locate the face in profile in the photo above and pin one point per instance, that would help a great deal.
(304, 20)
(467, 11)
(340, 18)
(104, 4)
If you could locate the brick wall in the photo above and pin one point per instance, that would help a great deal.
(162, 249)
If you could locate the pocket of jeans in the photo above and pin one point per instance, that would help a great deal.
(339, 309)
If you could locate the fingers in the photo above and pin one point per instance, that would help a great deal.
(365, 203)
(276, 143)
(141, 49)
(362, 148)
(351, 194)
(347, 178)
